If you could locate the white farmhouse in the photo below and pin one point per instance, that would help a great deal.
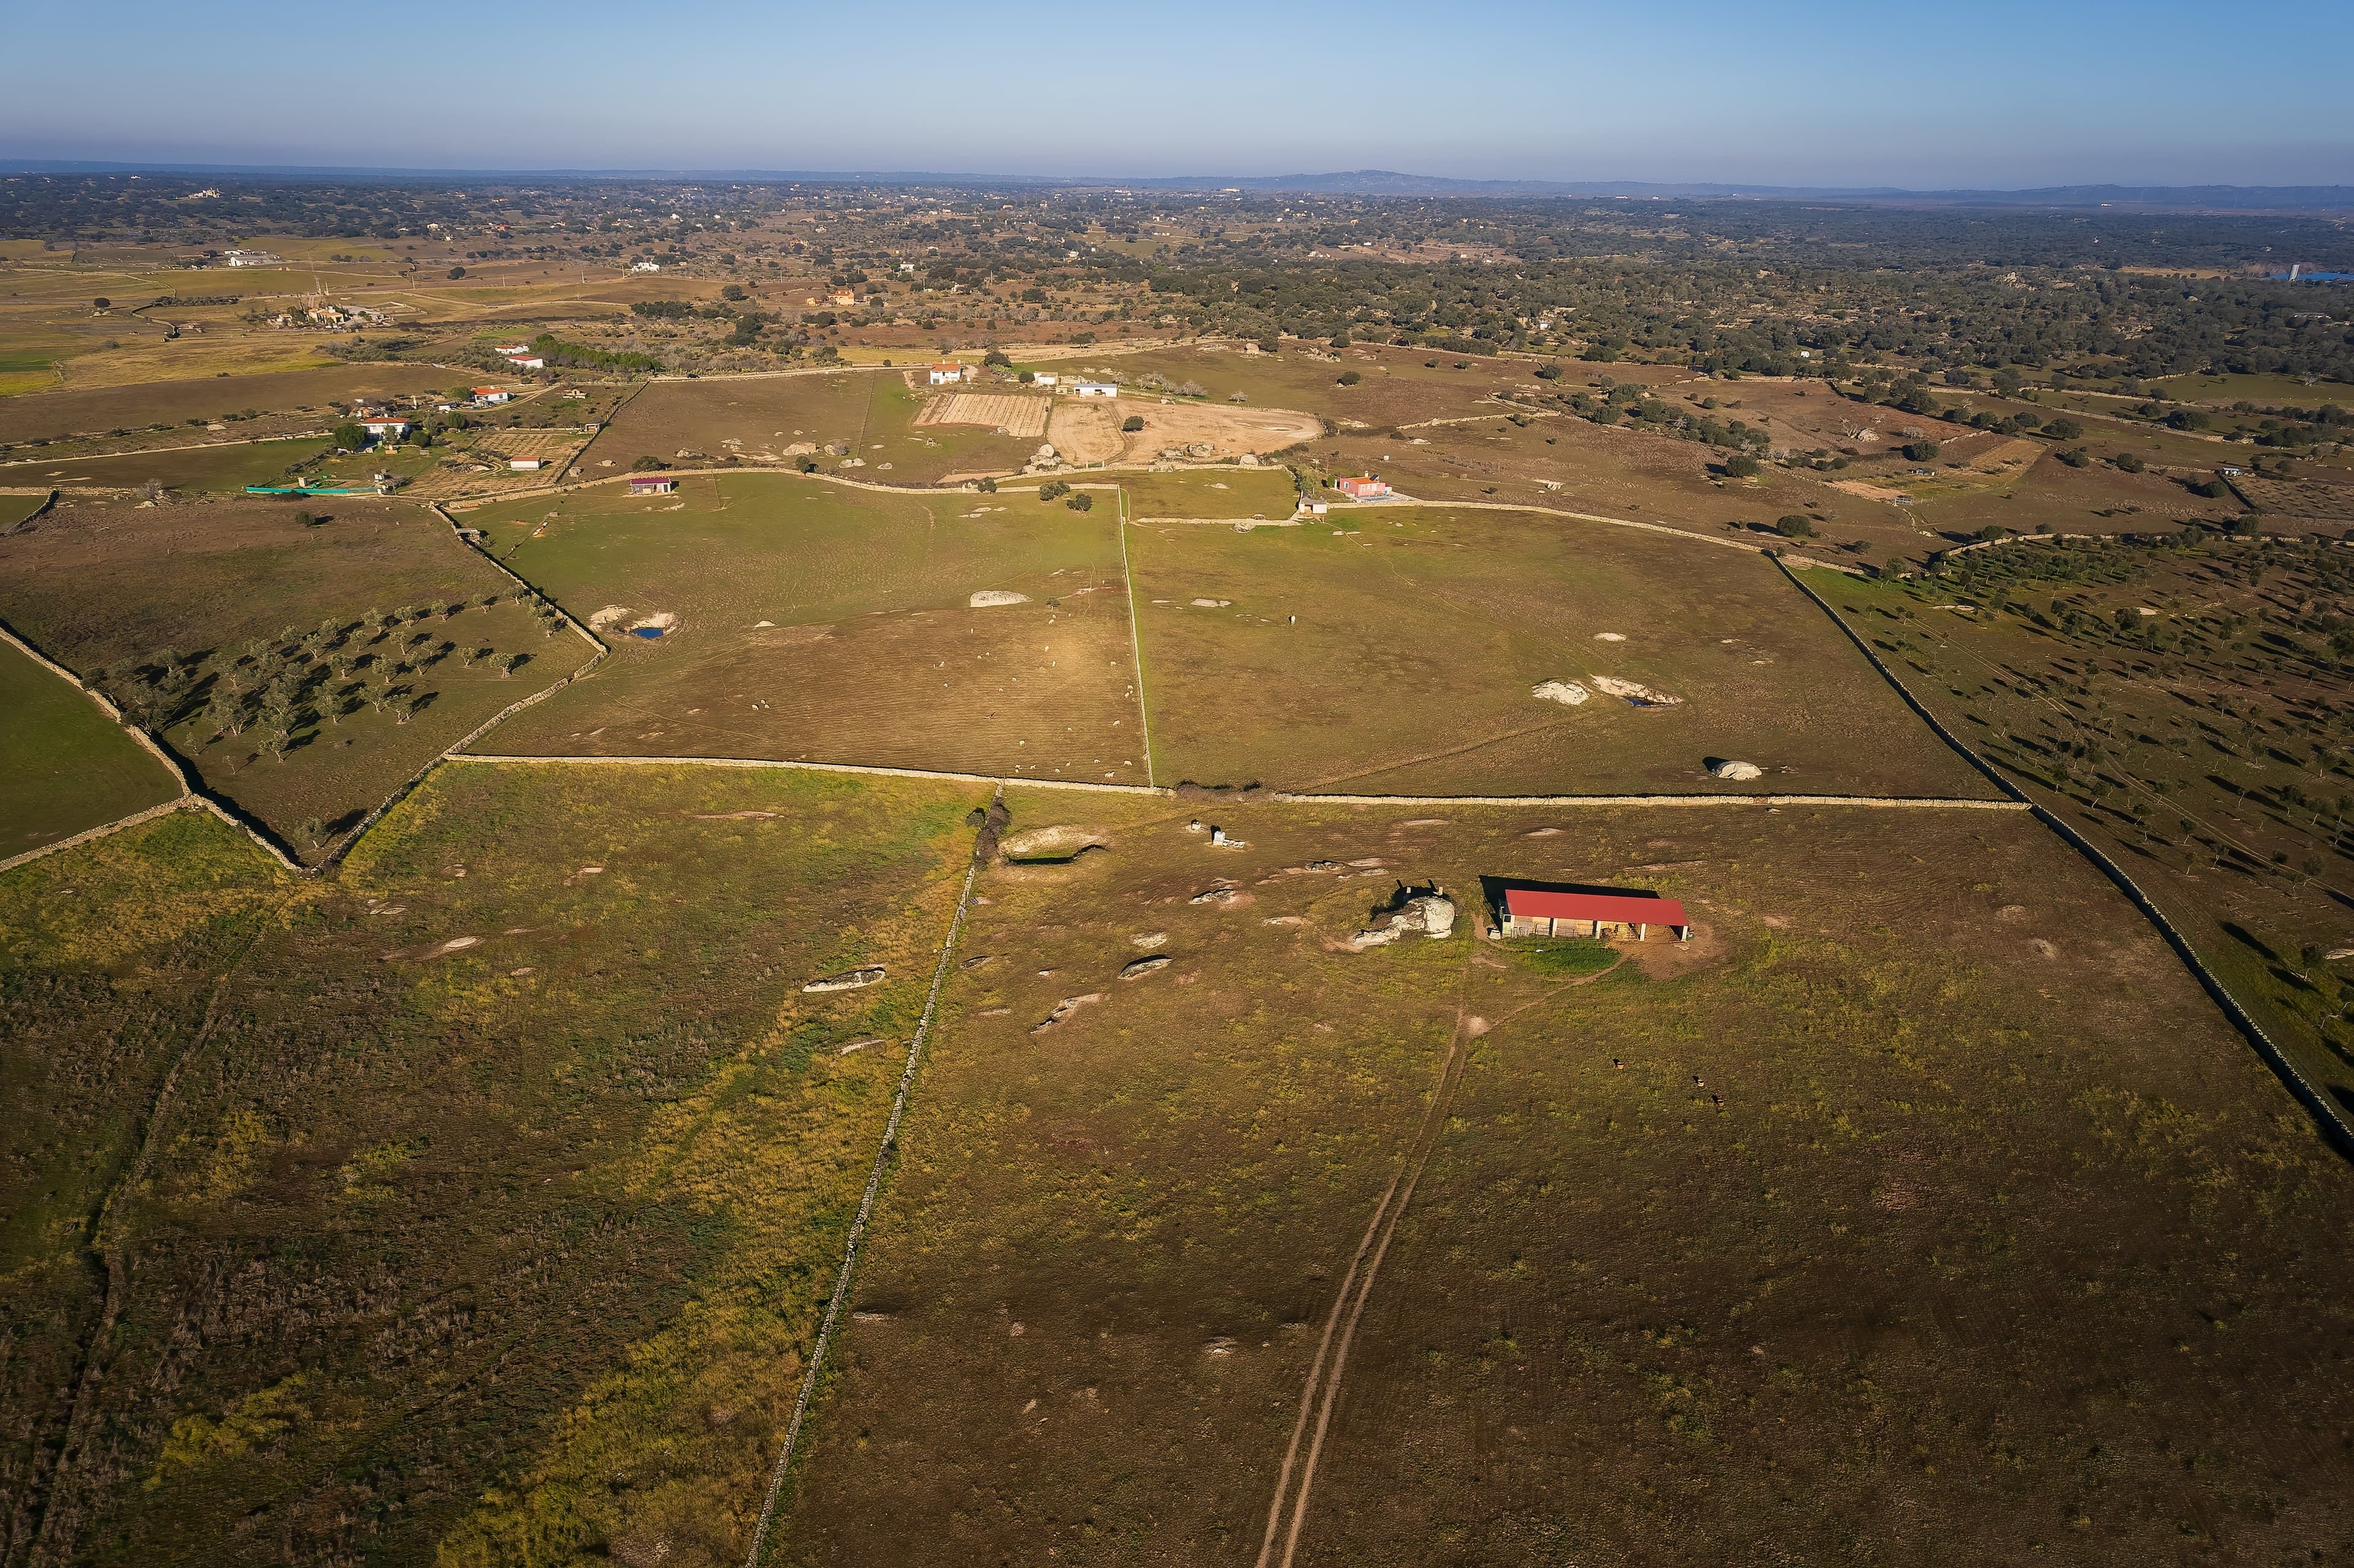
(1095, 388)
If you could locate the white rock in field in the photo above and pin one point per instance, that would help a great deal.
(1633, 692)
(1737, 771)
(1565, 692)
(849, 979)
(988, 597)
(1432, 914)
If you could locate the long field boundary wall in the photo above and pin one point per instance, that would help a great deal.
(883, 1159)
(598, 649)
(1280, 797)
(919, 492)
(27, 520)
(184, 802)
(1890, 802)
(1135, 637)
(852, 768)
(105, 705)
(2332, 1122)
(190, 796)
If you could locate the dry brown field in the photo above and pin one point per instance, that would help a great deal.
(1572, 464)
(1089, 432)
(529, 1091)
(1879, 1223)
(1577, 466)
(95, 584)
(1221, 494)
(2052, 496)
(1014, 691)
(875, 413)
(215, 465)
(49, 414)
(2197, 744)
(761, 416)
(1400, 657)
(1398, 388)
(809, 622)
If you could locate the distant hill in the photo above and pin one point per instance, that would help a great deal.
(1386, 182)
(1355, 182)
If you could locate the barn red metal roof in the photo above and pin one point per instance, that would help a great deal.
(1620, 907)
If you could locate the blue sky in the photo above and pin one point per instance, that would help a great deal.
(1986, 94)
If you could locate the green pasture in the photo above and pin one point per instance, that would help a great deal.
(64, 765)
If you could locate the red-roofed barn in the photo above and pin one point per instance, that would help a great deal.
(1556, 912)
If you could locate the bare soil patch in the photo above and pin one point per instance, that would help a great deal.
(1019, 414)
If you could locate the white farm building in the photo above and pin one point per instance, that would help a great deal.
(1095, 388)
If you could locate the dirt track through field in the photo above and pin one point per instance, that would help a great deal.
(52, 1541)
(1323, 1388)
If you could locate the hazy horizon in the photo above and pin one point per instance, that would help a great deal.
(1822, 95)
(194, 169)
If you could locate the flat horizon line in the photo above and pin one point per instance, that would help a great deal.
(1360, 181)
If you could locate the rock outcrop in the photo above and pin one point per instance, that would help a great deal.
(849, 979)
(1431, 914)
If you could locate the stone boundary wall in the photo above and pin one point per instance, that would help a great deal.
(186, 802)
(27, 520)
(1894, 802)
(105, 705)
(190, 798)
(1281, 798)
(597, 657)
(883, 1158)
(850, 767)
(2331, 1122)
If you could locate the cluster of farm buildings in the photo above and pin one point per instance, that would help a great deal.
(952, 373)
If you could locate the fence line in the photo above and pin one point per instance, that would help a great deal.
(105, 705)
(182, 804)
(2331, 1123)
(850, 767)
(1892, 802)
(866, 1210)
(351, 840)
